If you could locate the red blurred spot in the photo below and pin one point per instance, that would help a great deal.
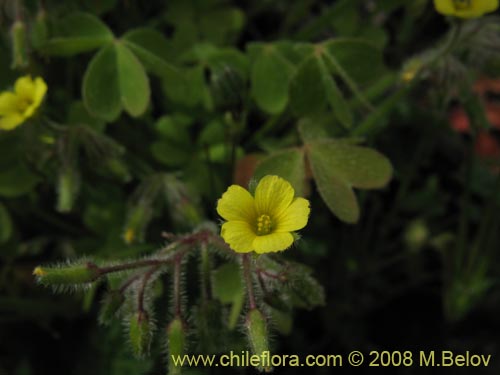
(459, 120)
(493, 114)
(487, 146)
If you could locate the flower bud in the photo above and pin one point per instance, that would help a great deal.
(72, 274)
(40, 31)
(176, 336)
(416, 234)
(227, 86)
(68, 185)
(118, 168)
(19, 45)
(182, 203)
(138, 218)
(140, 333)
(411, 69)
(257, 334)
(110, 305)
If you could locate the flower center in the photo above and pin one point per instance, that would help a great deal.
(264, 225)
(24, 103)
(462, 4)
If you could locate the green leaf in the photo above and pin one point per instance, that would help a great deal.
(101, 87)
(308, 292)
(307, 94)
(77, 33)
(227, 283)
(78, 115)
(170, 153)
(337, 195)
(150, 47)
(338, 166)
(377, 120)
(359, 59)
(288, 164)
(334, 95)
(5, 224)
(174, 129)
(192, 91)
(115, 80)
(270, 78)
(134, 84)
(361, 167)
(16, 180)
(219, 25)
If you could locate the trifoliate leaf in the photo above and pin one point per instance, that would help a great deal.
(77, 33)
(270, 78)
(115, 80)
(338, 166)
(288, 164)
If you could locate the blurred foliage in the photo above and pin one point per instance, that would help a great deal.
(154, 108)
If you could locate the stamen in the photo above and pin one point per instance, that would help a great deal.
(462, 4)
(264, 225)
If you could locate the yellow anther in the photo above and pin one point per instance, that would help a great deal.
(264, 225)
(129, 236)
(462, 4)
(38, 271)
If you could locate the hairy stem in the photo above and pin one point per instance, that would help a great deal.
(206, 291)
(133, 265)
(145, 280)
(177, 286)
(247, 274)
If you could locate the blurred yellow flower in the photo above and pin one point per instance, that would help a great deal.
(410, 70)
(465, 8)
(17, 106)
(262, 223)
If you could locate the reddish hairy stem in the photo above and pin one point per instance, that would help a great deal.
(247, 274)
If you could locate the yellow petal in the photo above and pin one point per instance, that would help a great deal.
(489, 5)
(445, 6)
(37, 95)
(472, 9)
(238, 235)
(8, 103)
(11, 121)
(294, 217)
(40, 90)
(273, 195)
(472, 13)
(25, 87)
(272, 242)
(236, 204)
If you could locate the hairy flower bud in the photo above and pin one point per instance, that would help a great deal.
(71, 274)
(176, 336)
(140, 333)
(40, 30)
(19, 46)
(110, 305)
(68, 185)
(257, 333)
(228, 88)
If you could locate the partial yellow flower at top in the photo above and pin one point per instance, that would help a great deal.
(465, 8)
(17, 106)
(262, 223)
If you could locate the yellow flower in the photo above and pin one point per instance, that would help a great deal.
(17, 106)
(264, 223)
(465, 8)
